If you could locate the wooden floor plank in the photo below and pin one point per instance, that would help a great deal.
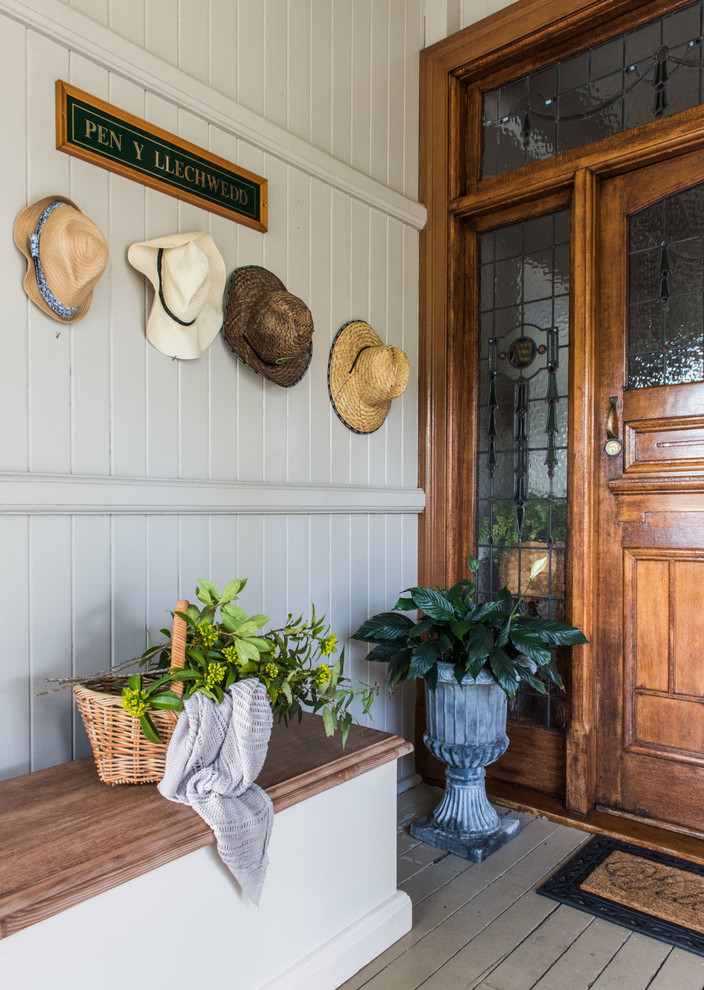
(530, 960)
(585, 959)
(635, 964)
(681, 970)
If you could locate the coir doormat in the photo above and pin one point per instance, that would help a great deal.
(650, 892)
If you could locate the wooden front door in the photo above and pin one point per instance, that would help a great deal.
(649, 635)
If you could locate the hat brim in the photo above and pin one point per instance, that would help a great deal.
(184, 343)
(25, 225)
(245, 285)
(349, 406)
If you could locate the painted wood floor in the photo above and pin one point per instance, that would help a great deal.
(481, 926)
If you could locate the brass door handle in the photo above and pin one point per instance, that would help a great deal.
(613, 445)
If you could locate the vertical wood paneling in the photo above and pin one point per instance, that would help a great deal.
(134, 564)
(276, 398)
(360, 243)
(299, 68)
(321, 71)
(399, 418)
(342, 80)
(90, 340)
(127, 18)
(250, 57)
(194, 38)
(161, 28)
(411, 89)
(47, 172)
(50, 638)
(383, 442)
(409, 342)
(161, 564)
(276, 61)
(90, 612)
(321, 422)
(298, 455)
(361, 84)
(127, 315)
(223, 38)
(14, 370)
(224, 557)
(395, 107)
(379, 95)
(194, 394)
(15, 697)
(162, 374)
(194, 552)
(341, 260)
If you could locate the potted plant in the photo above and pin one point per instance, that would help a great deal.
(472, 656)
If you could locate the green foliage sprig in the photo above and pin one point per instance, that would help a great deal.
(224, 648)
(473, 636)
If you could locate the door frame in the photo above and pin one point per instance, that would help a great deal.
(459, 206)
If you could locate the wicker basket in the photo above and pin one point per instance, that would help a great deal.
(122, 753)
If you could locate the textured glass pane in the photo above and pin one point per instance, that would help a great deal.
(650, 72)
(666, 292)
(522, 449)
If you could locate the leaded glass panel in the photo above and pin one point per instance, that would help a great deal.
(652, 71)
(522, 448)
(666, 292)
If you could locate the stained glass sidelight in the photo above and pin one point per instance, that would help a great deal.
(650, 72)
(522, 448)
(666, 291)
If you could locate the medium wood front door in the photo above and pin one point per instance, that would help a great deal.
(650, 566)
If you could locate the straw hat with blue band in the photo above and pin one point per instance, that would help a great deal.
(66, 255)
(364, 376)
(188, 275)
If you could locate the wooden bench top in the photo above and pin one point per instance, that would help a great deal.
(65, 836)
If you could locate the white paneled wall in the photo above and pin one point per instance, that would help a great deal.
(337, 73)
(125, 476)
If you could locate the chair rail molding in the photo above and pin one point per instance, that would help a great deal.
(69, 494)
(78, 33)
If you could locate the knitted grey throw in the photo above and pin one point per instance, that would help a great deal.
(213, 759)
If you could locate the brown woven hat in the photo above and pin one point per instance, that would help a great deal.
(66, 255)
(364, 376)
(267, 327)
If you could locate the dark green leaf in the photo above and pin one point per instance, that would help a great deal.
(404, 605)
(433, 603)
(460, 629)
(135, 682)
(553, 632)
(424, 656)
(530, 645)
(502, 634)
(475, 665)
(385, 625)
(472, 564)
(504, 671)
(149, 729)
(168, 700)
(479, 643)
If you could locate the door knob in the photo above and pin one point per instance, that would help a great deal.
(613, 445)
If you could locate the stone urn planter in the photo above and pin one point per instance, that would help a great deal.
(466, 730)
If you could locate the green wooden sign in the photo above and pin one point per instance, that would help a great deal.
(95, 131)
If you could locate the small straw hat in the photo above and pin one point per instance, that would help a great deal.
(364, 376)
(66, 255)
(268, 328)
(188, 275)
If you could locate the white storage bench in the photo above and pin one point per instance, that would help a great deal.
(109, 886)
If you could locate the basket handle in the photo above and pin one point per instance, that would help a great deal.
(178, 644)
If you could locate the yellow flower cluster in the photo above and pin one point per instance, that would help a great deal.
(207, 634)
(134, 702)
(270, 670)
(214, 675)
(322, 674)
(230, 654)
(327, 646)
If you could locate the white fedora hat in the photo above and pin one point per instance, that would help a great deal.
(188, 275)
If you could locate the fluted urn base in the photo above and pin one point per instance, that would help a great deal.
(467, 731)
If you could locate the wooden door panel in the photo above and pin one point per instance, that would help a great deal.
(650, 634)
